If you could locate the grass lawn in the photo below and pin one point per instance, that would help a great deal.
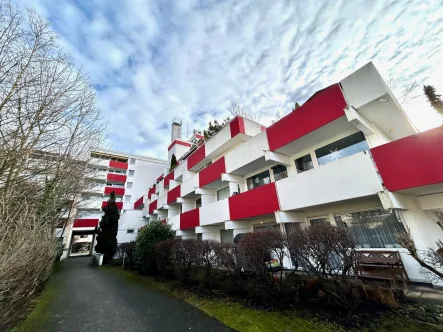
(245, 319)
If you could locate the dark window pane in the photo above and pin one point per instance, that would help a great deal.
(258, 180)
(344, 147)
(316, 221)
(280, 172)
(292, 227)
(304, 163)
(198, 203)
(226, 236)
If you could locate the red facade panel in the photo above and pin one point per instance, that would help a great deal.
(256, 202)
(237, 126)
(119, 204)
(152, 207)
(212, 172)
(168, 178)
(85, 223)
(173, 194)
(327, 106)
(116, 177)
(190, 219)
(151, 192)
(139, 203)
(160, 178)
(179, 143)
(118, 191)
(410, 162)
(118, 164)
(197, 156)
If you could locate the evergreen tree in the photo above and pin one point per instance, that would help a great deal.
(107, 230)
(297, 105)
(433, 98)
(215, 128)
(173, 162)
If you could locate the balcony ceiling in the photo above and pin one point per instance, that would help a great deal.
(424, 190)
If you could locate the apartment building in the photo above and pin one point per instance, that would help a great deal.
(126, 175)
(348, 156)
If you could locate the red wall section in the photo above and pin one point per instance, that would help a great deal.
(327, 106)
(151, 192)
(173, 194)
(118, 164)
(412, 161)
(119, 204)
(237, 126)
(152, 207)
(160, 177)
(168, 178)
(179, 143)
(85, 222)
(255, 202)
(212, 172)
(190, 219)
(116, 177)
(138, 203)
(197, 156)
(118, 191)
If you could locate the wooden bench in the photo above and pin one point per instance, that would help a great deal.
(380, 266)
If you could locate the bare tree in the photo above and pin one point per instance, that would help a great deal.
(404, 90)
(48, 125)
(236, 108)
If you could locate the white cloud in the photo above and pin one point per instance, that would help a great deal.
(153, 60)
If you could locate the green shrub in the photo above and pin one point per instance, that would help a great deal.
(147, 237)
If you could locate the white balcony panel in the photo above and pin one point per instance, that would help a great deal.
(90, 204)
(161, 201)
(218, 140)
(347, 178)
(247, 152)
(99, 162)
(180, 169)
(214, 213)
(174, 222)
(189, 185)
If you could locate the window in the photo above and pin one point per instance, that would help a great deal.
(304, 164)
(258, 180)
(130, 231)
(129, 185)
(372, 229)
(83, 236)
(127, 198)
(226, 236)
(280, 172)
(222, 193)
(292, 227)
(344, 147)
(131, 172)
(199, 236)
(264, 228)
(316, 221)
(198, 203)
(132, 160)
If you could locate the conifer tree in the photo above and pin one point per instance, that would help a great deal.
(173, 162)
(107, 230)
(433, 98)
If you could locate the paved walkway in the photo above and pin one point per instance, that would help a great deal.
(89, 298)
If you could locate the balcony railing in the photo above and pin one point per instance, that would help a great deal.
(351, 177)
(190, 219)
(116, 177)
(214, 213)
(118, 164)
(117, 191)
(85, 223)
(119, 204)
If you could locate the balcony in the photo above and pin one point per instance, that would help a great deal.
(348, 178)
(117, 191)
(195, 160)
(85, 223)
(89, 204)
(212, 172)
(253, 203)
(174, 222)
(119, 205)
(214, 213)
(116, 177)
(152, 207)
(118, 164)
(190, 219)
(173, 194)
(168, 178)
(99, 162)
(188, 186)
(151, 192)
(139, 204)
(321, 109)
(412, 162)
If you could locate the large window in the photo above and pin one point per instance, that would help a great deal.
(304, 163)
(258, 180)
(344, 147)
(280, 172)
(222, 193)
(292, 227)
(372, 229)
(226, 236)
(264, 228)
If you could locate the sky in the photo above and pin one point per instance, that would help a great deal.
(153, 60)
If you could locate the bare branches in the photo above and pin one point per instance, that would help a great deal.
(236, 108)
(405, 91)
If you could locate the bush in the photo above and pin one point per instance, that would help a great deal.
(208, 259)
(163, 254)
(186, 256)
(147, 237)
(125, 252)
(326, 253)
